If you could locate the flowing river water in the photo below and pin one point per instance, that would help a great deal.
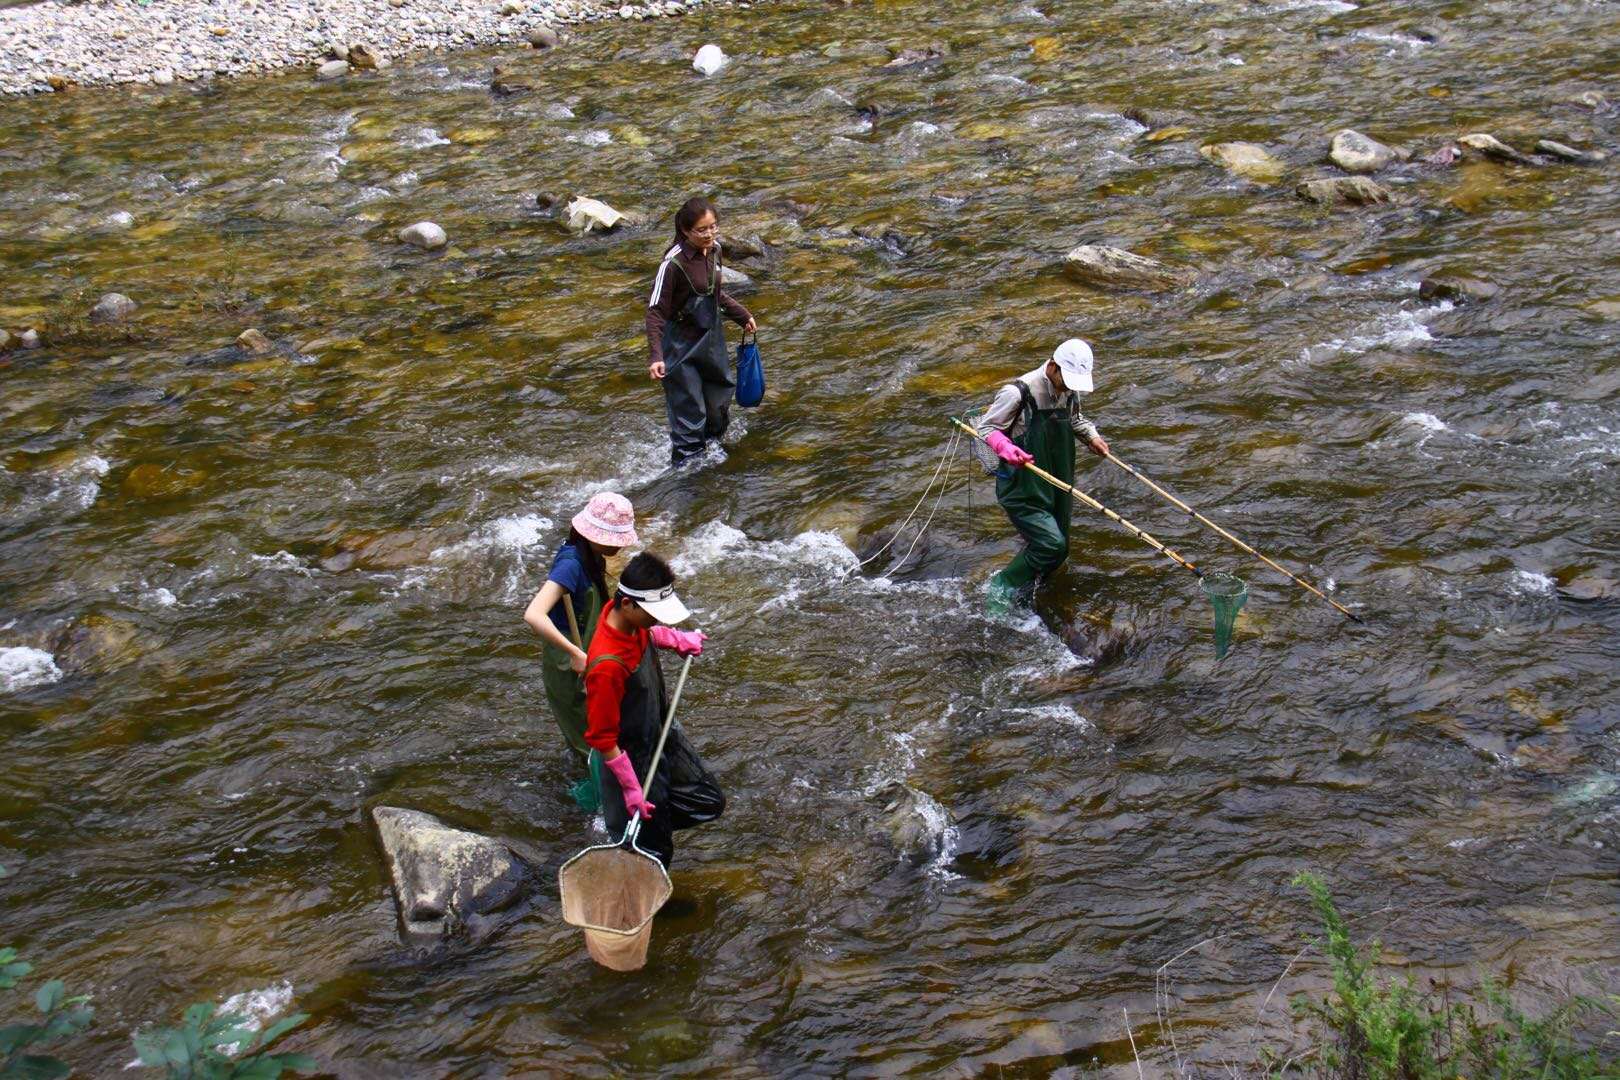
(244, 599)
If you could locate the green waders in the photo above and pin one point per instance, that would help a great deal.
(1039, 511)
(565, 691)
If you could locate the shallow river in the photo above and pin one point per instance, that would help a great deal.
(277, 591)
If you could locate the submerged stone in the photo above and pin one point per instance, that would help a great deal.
(1344, 191)
(113, 307)
(1495, 148)
(1570, 154)
(1248, 160)
(445, 879)
(1118, 268)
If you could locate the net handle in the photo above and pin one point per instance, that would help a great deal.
(633, 829)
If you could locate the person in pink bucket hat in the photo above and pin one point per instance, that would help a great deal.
(565, 611)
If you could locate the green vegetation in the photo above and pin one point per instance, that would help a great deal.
(208, 1044)
(1389, 1029)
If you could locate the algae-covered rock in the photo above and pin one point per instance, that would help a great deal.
(1344, 191)
(1248, 160)
(1570, 154)
(113, 307)
(445, 879)
(1118, 268)
(1447, 285)
(254, 342)
(1495, 148)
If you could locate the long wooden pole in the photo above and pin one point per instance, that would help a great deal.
(1097, 506)
(1234, 540)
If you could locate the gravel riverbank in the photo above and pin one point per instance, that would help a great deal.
(55, 46)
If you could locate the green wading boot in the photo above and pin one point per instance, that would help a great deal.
(999, 598)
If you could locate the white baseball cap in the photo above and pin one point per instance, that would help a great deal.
(661, 603)
(1073, 358)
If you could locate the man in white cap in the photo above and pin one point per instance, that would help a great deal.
(1036, 418)
(625, 704)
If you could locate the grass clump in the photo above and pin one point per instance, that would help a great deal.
(1371, 1028)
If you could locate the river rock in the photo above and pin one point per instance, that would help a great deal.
(507, 81)
(512, 7)
(253, 341)
(1589, 587)
(1248, 160)
(424, 234)
(1456, 287)
(29, 339)
(1356, 153)
(928, 54)
(1495, 148)
(587, 215)
(735, 280)
(544, 38)
(914, 822)
(1570, 154)
(1118, 268)
(337, 51)
(444, 878)
(709, 60)
(363, 57)
(1344, 191)
(114, 307)
(163, 77)
(332, 69)
(7, 342)
(1443, 158)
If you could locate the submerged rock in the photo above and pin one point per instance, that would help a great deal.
(735, 280)
(1248, 160)
(29, 339)
(914, 822)
(1116, 267)
(1095, 641)
(1344, 191)
(544, 38)
(709, 60)
(6, 341)
(928, 54)
(1356, 153)
(586, 215)
(1570, 154)
(253, 341)
(113, 307)
(1456, 287)
(506, 80)
(1495, 148)
(445, 878)
(424, 234)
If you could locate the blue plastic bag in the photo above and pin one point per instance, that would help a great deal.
(750, 374)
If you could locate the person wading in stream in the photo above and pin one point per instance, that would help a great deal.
(625, 703)
(685, 337)
(1036, 418)
(565, 610)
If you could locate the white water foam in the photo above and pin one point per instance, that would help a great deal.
(423, 137)
(1404, 329)
(283, 560)
(22, 666)
(712, 542)
(596, 137)
(1056, 713)
(159, 597)
(1532, 583)
(943, 836)
(1384, 37)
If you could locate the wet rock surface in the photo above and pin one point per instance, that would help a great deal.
(1097, 264)
(446, 880)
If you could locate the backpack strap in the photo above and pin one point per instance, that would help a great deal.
(604, 658)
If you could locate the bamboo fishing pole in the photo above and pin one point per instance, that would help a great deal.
(1235, 541)
(1097, 506)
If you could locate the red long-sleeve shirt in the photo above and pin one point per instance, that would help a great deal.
(605, 682)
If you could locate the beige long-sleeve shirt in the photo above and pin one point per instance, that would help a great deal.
(1006, 414)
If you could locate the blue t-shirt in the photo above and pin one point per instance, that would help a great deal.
(568, 570)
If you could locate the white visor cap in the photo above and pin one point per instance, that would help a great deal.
(662, 604)
(1073, 358)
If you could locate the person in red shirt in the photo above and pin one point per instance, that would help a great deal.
(625, 704)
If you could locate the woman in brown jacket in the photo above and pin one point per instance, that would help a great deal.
(685, 337)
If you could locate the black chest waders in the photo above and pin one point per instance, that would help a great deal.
(697, 380)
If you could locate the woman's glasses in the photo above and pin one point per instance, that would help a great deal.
(707, 230)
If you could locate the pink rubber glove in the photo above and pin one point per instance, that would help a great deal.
(684, 642)
(635, 802)
(1007, 450)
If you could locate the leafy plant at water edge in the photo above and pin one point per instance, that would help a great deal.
(211, 1045)
(60, 1016)
(1371, 1029)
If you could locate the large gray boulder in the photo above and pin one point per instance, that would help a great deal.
(445, 879)
(1118, 268)
(1356, 153)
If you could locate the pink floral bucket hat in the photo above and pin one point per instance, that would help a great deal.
(608, 519)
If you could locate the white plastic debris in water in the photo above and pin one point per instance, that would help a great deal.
(709, 60)
(587, 215)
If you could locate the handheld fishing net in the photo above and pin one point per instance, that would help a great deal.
(1228, 593)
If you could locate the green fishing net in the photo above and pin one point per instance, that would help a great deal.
(1228, 593)
(586, 795)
